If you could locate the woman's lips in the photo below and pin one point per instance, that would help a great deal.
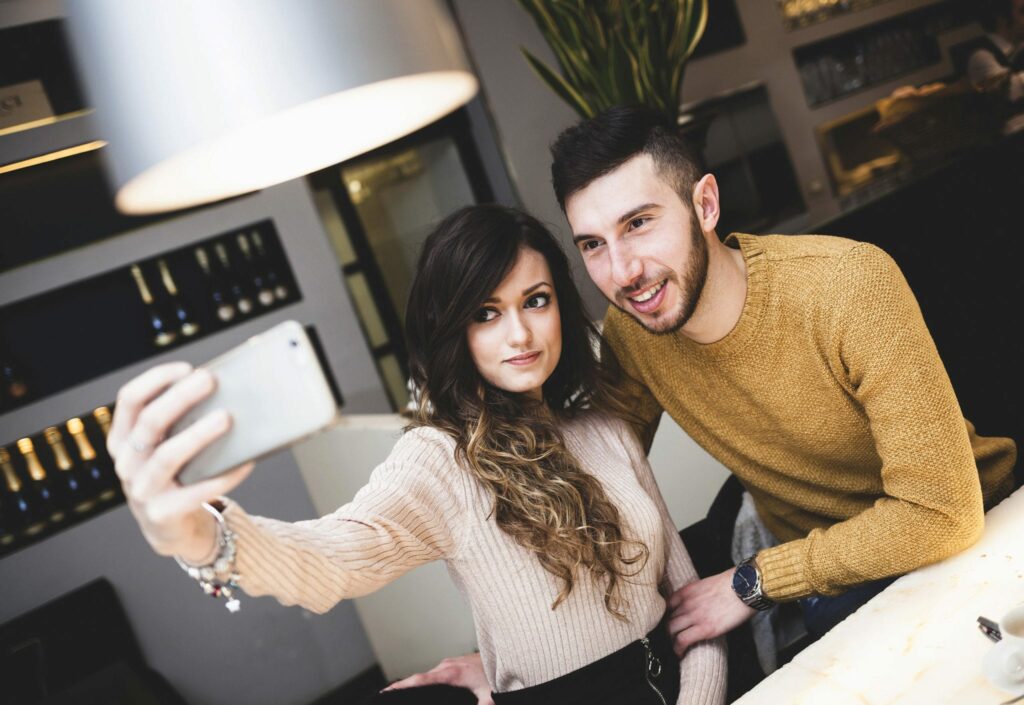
(524, 359)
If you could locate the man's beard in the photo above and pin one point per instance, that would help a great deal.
(690, 288)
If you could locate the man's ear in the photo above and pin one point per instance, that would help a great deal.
(706, 204)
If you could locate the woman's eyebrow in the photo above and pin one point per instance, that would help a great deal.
(526, 291)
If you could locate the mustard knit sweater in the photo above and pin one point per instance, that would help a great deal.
(829, 401)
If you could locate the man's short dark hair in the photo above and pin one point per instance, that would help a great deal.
(989, 12)
(592, 148)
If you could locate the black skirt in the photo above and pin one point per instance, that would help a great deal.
(644, 671)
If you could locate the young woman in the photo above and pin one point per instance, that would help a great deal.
(541, 502)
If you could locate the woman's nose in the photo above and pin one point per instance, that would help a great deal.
(518, 331)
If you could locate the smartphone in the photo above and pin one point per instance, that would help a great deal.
(277, 393)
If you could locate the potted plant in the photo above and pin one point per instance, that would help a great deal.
(618, 52)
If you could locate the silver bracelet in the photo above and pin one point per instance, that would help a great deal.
(209, 575)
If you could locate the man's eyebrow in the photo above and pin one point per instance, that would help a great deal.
(624, 218)
(526, 292)
(630, 214)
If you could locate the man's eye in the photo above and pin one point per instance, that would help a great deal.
(538, 301)
(485, 314)
(589, 245)
(637, 223)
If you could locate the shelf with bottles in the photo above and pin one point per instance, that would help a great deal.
(56, 478)
(803, 13)
(69, 335)
(877, 53)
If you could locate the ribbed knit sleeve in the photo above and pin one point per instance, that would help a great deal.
(643, 408)
(881, 353)
(702, 672)
(407, 515)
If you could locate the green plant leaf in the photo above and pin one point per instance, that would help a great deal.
(560, 86)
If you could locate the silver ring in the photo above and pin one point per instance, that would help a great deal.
(140, 447)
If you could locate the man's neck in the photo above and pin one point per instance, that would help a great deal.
(721, 301)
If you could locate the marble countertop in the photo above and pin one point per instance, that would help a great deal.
(917, 641)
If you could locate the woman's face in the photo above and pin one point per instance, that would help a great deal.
(516, 336)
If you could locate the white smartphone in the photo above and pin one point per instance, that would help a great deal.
(276, 392)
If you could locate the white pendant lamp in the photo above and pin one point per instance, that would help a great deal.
(200, 100)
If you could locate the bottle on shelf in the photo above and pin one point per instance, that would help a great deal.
(238, 290)
(163, 333)
(269, 273)
(102, 416)
(102, 480)
(222, 304)
(69, 478)
(20, 515)
(41, 489)
(264, 292)
(14, 387)
(182, 313)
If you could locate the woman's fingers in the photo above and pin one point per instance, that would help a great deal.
(170, 456)
(156, 419)
(183, 500)
(134, 396)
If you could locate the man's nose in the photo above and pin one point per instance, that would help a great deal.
(626, 266)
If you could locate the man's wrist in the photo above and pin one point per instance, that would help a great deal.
(748, 585)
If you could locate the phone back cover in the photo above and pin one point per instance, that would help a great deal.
(276, 392)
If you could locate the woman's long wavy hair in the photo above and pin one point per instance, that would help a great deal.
(511, 443)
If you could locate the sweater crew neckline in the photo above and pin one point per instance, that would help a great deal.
(753, 305)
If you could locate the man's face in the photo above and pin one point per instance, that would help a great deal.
(642, 245)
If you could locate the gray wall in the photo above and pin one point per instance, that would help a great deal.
(265, 653)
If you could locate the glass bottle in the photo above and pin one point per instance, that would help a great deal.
(102, 416)
(235, 285)
(162, 332)
(270, 274)
(264, 292)
(101, 479)
(20, 516)
(70, 478)
(187, 324)
(222, 304)
(41, 490)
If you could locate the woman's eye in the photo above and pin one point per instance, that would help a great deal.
(538, 301)
(637, 222)
(485, 314)
(589, 245)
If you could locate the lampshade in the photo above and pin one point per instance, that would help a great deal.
(204, 99)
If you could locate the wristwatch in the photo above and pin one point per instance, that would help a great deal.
(746, 583)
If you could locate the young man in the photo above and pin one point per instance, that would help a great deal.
(802, 363)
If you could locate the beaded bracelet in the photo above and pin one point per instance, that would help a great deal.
(223, 563)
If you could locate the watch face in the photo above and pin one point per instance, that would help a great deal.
(744, 579)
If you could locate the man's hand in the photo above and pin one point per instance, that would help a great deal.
(464, 672)
(705, 609)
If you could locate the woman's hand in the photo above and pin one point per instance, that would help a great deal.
(170, 515)
(463, 672)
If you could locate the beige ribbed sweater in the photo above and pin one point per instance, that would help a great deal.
(421, 505)
(829, 401)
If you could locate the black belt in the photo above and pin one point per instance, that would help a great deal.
(643, 671)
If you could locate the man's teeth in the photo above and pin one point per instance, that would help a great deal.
(647, 295)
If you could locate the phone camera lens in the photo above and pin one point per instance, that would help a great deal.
(293, 343)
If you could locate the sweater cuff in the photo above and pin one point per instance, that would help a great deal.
(782, 567)
(253, 554)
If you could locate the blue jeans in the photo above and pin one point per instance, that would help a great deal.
(823, 613)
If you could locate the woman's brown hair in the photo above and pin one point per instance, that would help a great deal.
(511, 443)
